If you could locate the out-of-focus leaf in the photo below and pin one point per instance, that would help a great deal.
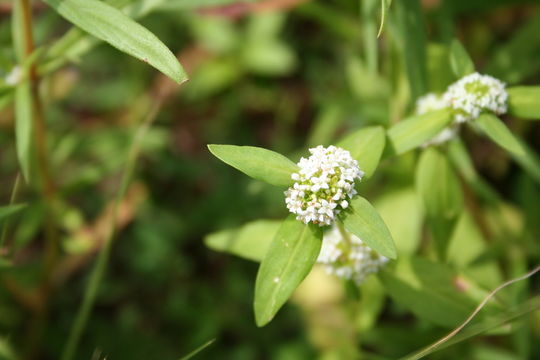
(250, 241)
(529, 161)
(366, 146)
(497, 131)
(477, 329)
(111, 25)
(460, 61)
(405, 230)
(362, 220)
(438, 63)
(385, 6)
(524, 102)
(7, 211)
(416, 130)
(24, 127)
(430, 290)
(289, 259)
(325, 126)
(259, 163)
(438, 185)
(518, 58)
(411, 30)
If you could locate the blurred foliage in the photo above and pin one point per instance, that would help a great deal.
(281, 75)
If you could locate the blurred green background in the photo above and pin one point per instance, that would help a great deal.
(281, 75)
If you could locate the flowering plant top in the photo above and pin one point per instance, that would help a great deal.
(323, 186)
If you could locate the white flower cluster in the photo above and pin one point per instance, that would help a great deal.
(323, 185)
(349, 258)
(433, 102)
(475, 93)
(430, 102)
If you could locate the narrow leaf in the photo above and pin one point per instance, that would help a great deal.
(524, 102)
(414, 131)
(289, 259)
(385, 5)
(497, 131)
(198, 350)
(7, 211)
(366, 146)
(412, 30)
(438, 185)
(24, 127)
(362, 220)
(460, 61)
(112, 26)
(250, 241)
(429, 290)
(259, 163)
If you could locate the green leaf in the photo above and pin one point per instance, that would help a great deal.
(7, 211)
(406, 230)
(411, 36)
(289, 259)
(385, 6)
(24, 127)
(366, 146)
(250, 241)
(112, 26)
(362, 220)
(429, 290)
(198, 350)
(497, 131)
(529, 161)
(460, 61)
(416, 130)
(438, 185)
(524, 102)
(495, 322)
(259, 163)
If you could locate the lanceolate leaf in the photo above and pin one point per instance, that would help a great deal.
(429, 290)
(416, 130)
(438, 185)
(289, 259)
(366, 146)
(24, 127)
(259, 163)
(111, 25)
(460, 61)
(524, 102)
(362, 220)
(497, 131)
(7, 211)
(250, 241)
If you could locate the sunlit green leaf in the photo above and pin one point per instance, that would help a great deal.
(111, 25)
(259, 163)
(362, 220)
(497, 131)
(366, 146)
(289, 259)
(438, 185)
(460, 60)
(524, 102)
(250, 241)
(414, 131)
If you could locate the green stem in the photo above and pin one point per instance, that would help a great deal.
(98, 271)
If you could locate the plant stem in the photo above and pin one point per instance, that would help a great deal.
(101, 263)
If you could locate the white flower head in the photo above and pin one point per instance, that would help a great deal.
(430, 102)
(433, 102)
(323, 185)
(475, 93)
(346, 256)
